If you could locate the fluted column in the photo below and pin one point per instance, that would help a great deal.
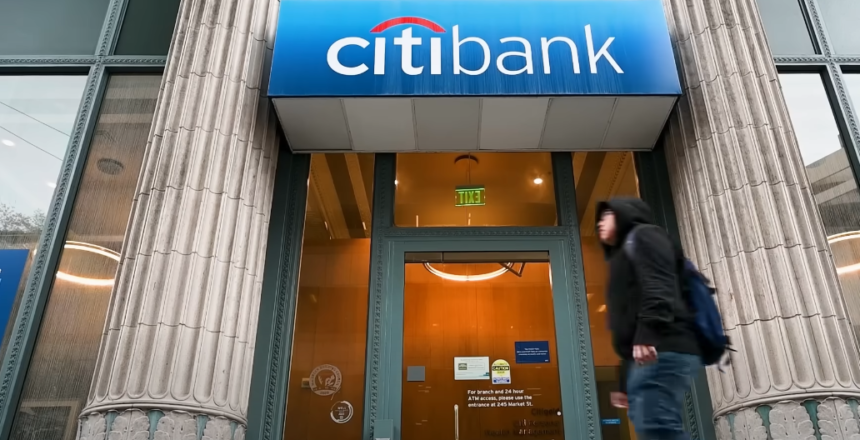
(748, 218)
(175, 358)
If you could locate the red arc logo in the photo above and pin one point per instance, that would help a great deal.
(407, 20)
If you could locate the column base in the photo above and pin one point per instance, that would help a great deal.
(135, 424)
(831, 419)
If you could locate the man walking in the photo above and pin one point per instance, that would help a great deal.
(653, 329)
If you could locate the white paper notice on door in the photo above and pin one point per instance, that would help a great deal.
(471, 368)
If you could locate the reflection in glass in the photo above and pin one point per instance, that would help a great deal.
(830, 177)
(325, 397)
(852, 82)
(840, 19)
(37, 116)
(786, 28)
(64, 358)
(812, 117)
(478, 189)
(147, 27)
(51, 27)
(602, 176)
(459, 348)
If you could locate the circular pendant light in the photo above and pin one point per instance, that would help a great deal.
(93, 249)
(465, 278)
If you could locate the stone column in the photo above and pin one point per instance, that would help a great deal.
(175, 358)
(748, 218)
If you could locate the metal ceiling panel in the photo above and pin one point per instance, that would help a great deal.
(315, 124)
(447, 123)
(577, 123)
(380, 124)
(637, 122)
(511, 124)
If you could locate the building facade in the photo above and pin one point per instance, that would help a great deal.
(199, 240)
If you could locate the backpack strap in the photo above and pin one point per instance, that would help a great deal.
(629, 245)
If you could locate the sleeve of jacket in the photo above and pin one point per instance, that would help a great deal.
(622, 375)
(655, 267)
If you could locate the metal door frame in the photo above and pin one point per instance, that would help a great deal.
(388, 246)
(573, 356)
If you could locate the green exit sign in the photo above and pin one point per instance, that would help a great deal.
(469, 196)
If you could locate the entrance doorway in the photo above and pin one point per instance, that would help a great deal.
(401, 312)
(481, 341)
(479, 347)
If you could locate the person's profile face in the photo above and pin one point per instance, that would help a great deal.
(606, 227)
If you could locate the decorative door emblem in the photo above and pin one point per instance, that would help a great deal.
(341, 412)
(325, 380)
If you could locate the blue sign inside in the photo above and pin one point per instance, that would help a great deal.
(472, 47)
(12, 263)
(532, 352)
(610, 421)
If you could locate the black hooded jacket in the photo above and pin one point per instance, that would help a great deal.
(645, 303)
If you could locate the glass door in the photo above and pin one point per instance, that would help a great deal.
(485, 345)
(479, 347)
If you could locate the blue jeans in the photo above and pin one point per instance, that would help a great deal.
(655, 393)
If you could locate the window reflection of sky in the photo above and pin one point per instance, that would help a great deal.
(37, 116)
(811, 115)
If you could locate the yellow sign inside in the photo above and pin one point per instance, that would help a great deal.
(469, 196)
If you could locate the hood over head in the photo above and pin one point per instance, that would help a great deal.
(629, 212)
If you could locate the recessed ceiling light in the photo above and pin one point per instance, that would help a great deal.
(538, 180)
(396, 182)
(51, 184)
(8, 143)
(110, 166)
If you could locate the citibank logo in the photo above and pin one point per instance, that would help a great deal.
(407, 42)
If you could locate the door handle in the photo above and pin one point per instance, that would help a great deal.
(456, 422)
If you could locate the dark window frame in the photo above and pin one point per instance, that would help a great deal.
(98, 67)
(49, 313)
(832, 68)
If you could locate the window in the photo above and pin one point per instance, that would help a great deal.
(830, 178)
(478, 189)
(51, 27)
(786, 27)
(330, 333)
(147, 27)
(601, 176)
(852, 81)
(64, 358)
(840, 19)
(37, 116)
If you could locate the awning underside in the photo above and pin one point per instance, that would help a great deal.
(473, 123)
